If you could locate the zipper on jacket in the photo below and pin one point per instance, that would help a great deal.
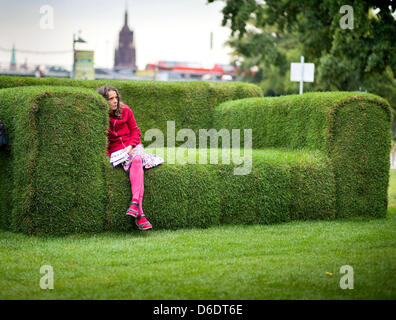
(114, 128)
(122, 142)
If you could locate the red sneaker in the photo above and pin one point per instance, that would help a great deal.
(133, 209)
(142, 223)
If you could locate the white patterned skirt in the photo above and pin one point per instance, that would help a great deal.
(149, 160)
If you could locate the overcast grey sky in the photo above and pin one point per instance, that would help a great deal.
(164, 30)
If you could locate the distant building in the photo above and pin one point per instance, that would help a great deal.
(13, 60)
(125, 54)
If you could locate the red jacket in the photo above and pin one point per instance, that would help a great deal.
(123, 132)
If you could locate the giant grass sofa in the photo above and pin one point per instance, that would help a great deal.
(315, 156)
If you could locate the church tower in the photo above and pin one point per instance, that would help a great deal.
(125, 54)
(13, 60)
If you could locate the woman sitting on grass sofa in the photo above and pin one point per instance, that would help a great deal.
(124, 134)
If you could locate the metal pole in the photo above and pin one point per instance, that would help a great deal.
(74, 54)
(302, 75)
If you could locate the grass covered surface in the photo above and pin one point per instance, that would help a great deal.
(189, 104)
(62, 182)
(294, 260)
(54, 180)
(283, 185)
(353, 129)
(317, 156)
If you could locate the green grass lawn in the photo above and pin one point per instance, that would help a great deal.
(296, 260)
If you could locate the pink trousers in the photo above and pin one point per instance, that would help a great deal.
(136, 176)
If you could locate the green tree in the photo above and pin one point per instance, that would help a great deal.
(361, 58)
(270, 53)
(317, 24)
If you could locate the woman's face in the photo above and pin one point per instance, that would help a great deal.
(113, 100)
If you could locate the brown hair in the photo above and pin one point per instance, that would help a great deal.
(104, 91)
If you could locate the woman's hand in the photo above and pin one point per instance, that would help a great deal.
(128, 149)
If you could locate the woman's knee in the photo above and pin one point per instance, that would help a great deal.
(137, 160)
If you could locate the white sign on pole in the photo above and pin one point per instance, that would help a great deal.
(302, 72)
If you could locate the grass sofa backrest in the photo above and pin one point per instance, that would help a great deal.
(188, 104)
(353, 129)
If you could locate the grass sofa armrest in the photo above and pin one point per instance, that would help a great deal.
(353, 129)
(54, 160)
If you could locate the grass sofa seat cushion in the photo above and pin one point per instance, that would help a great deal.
(283, 185)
